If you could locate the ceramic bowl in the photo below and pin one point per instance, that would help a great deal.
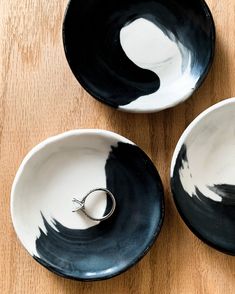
(67, 166)
(203, 176)
(139, 55)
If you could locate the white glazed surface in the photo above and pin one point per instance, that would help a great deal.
(150, 48)
(210, 144)
(52, 174)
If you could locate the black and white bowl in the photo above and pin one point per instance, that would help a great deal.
(139, 55)
(203, 176)
(67, 166)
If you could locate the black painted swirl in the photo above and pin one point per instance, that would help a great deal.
(114, 245)
(226, 192)
(92, 44)
(212, 221)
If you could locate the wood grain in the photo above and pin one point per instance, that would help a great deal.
(40, 97)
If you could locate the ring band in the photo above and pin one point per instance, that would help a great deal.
(83, 202)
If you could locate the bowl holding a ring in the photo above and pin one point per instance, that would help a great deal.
(87, 204)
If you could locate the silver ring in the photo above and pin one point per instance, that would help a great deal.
(82, 203)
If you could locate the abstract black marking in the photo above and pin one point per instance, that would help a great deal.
(212, 221)
(227, 192)
(114, 245)
(92, 45)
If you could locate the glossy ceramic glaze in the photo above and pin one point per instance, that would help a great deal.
(203, 176)
(138, 55)
(70, 165)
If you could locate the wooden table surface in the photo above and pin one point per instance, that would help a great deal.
(40, 97)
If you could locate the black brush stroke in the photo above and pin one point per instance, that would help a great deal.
(119, 242)
(91, 39)
(227, 192)
(212, 221)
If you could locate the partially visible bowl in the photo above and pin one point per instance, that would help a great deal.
(67, 166)
(203, 176)
(139, 55)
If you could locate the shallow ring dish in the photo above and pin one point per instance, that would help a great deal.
(68, 166)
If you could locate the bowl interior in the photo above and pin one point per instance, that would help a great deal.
(69, 166)
(203, 180)
(139, 55)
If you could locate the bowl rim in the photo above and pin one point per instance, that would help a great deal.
(53, 139)
(179, 144)
(198, 84)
